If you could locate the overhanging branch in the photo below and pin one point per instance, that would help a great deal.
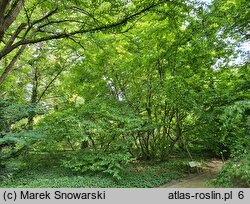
(80, 31)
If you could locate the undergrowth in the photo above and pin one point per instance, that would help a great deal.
(48, 173)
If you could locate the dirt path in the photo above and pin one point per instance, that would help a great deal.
(197, 180)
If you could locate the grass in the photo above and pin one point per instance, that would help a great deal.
(49, 174)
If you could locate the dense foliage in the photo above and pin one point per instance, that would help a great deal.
(100, 84)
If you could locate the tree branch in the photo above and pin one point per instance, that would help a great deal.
(45, 17)
(14, 36)
(12, 15)
(9, 67)
(80, 31)
(49, 84)
(3, 6)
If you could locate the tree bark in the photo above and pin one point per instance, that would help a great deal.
(34, 96)
(7, 19)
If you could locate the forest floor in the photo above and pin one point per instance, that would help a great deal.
(198, 180)
(43, 171)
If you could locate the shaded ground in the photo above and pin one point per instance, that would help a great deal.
(45, 171)
(208, 171)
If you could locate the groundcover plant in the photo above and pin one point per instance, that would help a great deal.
(117, 93)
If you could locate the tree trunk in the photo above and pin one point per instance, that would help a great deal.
(34, 96)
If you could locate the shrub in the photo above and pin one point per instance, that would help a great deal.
(236, 173)
(97, 161)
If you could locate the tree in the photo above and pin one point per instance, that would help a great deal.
(167, 84)
(159, 69)
(23, 23)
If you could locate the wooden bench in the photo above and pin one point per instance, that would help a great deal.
(195, 166)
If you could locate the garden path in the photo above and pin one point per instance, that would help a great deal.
(209, 171)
